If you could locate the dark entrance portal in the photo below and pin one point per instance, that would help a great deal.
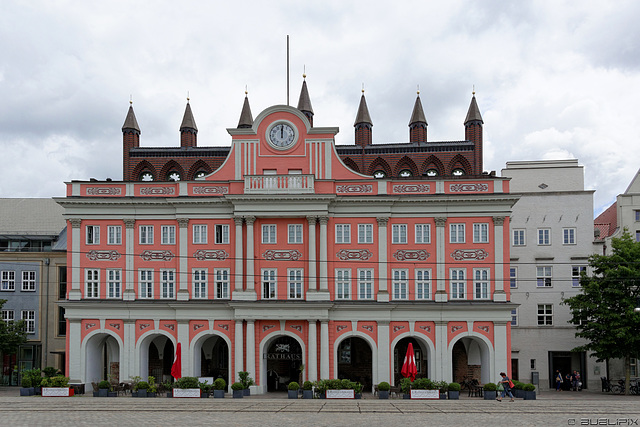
(284, 359)
(355, 360)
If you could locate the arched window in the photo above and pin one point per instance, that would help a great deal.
(405, 173)
(458, 172)
(200, 174)
(431, 172)
(146, 176)
(379, 174)
(173, 176)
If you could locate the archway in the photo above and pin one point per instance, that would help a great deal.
(422, 358)
(282, 362)
(212, 357)
(355, 361)
(157, 352)
(102, 352)
(471, 358)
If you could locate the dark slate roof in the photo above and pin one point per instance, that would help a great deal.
(179, 151)
(130, 122)
(363, 112)
(474, 112)
(418, 113)
(410, 147)
(246, 119)
(304, 103)
(188, 122)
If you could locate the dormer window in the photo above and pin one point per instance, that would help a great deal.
(405, 173)
(431, 172)
(379, 174)
(146, 176)
(173, 176)
(457, 172)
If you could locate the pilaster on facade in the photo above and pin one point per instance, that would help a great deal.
(384, 354)
(441, 271)
(499, 294)
(249, 292)
(75, 276)
(183, 247)
(183, 339)
(312, 363)
(129, 293)
(323, 291)
(238, 220)
(442, 369)
(324, 349)
(383, 289)
(238, 351)
(251, 348)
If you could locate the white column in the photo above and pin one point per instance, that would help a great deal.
(499, 294)
(441, 368)
(312, 363)
(441, 271)
(324, 268)
(383, 289)
(251, 350)
(238, 351)
(324, 350)
(76, 373)
(127, 352)
(384, 364)
(251, 279)
(76, 277)
(183, 248)
(129, 293)
(313, 280)
(239, 254)
(500, 348)
(183, 339)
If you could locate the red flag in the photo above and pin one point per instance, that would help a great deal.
(409, 368)
(176, 369)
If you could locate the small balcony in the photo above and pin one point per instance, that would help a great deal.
(278, 184)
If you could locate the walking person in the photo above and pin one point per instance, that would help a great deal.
(506, 387)
(558, 380)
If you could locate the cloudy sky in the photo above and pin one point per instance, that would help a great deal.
(553, 79)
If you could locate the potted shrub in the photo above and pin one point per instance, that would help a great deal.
(219, 387)
(357, 388)
(187, 387)
(50, 371)
(26, 387)
(293, 390)
(307, 390)
(56, 386)
(529, 392)
(321, 388)
(454, 391)
(424, 388)
(490, 391)
(134, 382)
(141, 388)
(517, 389)
(405, 388)
(103, 388)
(205, 389)
(383, 390)
(237, 388)
(153, 387)
(246, 381)
(442, 386)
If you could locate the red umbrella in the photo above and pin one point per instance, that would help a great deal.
(176, 369)
(409, 368)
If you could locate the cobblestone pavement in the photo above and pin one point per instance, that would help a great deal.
(550, 409)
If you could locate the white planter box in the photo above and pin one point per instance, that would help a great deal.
(340, 394)
(425, 394)
(56, 392)
(186, 392)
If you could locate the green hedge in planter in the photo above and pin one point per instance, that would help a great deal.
(307, 385)
(219, 384)
(384, 386)
(237, 386)
(187, 382)
(454, 386)
(57, 381)
(528, 387)
(490, 387)
(294, 386)
(104, 385)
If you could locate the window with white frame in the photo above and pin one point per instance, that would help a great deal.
(269, 284)
(199, 283)
(400, 283)
(145, 284)
(114, 235)
(269, 233)
(222, 234)
(576, 272)
(146, 234)
(93, 234)
(365, 233)
(481, 283)
(480, 233)
(200, 233)
(8, 280)
(456, 233)
(637, 215)
(513, 277)
(543, 276)
(294, 283)
(399, 233)
(343, 284)
(168, 283)
(114, 283)
(365, 283)
(295, 233)
(514, 317)
(423, 283)
(544, 236)
(168, 234)
(8, 315)
(91, 283)
(423, 233)
(222, 283)
(569, 236)
(519, 237)
(457, 283)
(29, 317)
(343, 233)
(545, 315)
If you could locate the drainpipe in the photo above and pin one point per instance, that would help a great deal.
(45, 323)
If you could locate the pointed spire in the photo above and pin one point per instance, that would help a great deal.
(304, 103)
(246, 119)
(474, 112)
(130, 123)
(188, 122)
(418, 123)
(418, 113)
(363, 112)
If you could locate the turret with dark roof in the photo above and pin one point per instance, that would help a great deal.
(246, 119)
(188, 129)
(363, 123)
(130, 139)
(473, 132)
(418, 123)
(304, 103)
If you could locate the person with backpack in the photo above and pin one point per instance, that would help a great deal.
(558, 381)
(507, 385)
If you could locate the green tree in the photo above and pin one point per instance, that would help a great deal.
(12, 334)
(604, 313)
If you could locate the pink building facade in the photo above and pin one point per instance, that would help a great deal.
(289, 265)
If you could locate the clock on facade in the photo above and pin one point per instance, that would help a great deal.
(281, 135)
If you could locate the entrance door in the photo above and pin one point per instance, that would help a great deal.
(284, 359)
(354, 361)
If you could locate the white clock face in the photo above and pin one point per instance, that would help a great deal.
(282, 135)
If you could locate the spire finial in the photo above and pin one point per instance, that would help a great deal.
(363, 88)
(473, 90)
(130, 99)
(187, 97)
(304, 71)
(246, 90)
(418, 89)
